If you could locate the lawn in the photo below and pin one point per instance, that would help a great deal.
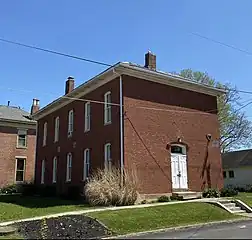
(18, 207)
(12, 236)
(245, 197)
(144, 219)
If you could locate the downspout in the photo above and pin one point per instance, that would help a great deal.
(121, 130)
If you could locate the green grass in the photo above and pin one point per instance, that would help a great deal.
(151, 218)
(18, 207)
(245, 197)
(12, 236)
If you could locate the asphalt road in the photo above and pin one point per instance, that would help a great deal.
(238, 230)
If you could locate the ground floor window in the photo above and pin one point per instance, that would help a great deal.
(20, 169)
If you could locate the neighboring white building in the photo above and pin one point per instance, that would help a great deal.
(237, 168)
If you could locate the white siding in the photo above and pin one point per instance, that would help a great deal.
(242, 177)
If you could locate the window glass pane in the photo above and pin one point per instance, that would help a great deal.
(176, 149)
(20, 176)
(22, 140)
(20, 164)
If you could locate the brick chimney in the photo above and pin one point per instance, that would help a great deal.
(69, 85)
(35, 106)
(150, 60)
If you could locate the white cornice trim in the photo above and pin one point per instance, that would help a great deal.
(131, 70)
(17, 124)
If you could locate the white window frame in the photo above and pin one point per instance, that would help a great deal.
(44, 133)
(16, 170)
(107, 156)
(69, 167)
(42, 179)
(107, 108)
(56, 129)
(87, 116)
(22, 132)
(70, 123)
(86, 164)
(54, 179)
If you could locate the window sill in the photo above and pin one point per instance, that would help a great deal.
(20, 147)
(107, 123)
(68, 181)
(88, 130)
(54, 182)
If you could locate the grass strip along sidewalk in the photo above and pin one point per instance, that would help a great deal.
(158, 217)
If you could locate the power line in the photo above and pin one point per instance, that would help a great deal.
(103, 63)
(55, 52)
(221, 43)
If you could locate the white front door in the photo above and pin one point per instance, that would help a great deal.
(179, 171)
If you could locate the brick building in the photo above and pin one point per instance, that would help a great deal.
(17, 144)
(132, 116)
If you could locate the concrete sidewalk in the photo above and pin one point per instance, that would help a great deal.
(79, 212)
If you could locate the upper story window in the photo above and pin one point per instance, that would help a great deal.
(20, 169)
(70, 123)
(86, 163)
(69, 167)
(107, 156)
(22, 139)
(54, 170)
(177, 149)
(87, 116)
(56, 129)
(45, 134)
(107, 108)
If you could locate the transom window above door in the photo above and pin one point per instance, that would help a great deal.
(177, 149)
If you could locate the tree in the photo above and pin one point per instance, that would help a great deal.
(235, 128)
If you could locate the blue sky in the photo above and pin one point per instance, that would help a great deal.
(112, 31)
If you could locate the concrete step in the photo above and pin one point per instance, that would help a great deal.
(233, 209)
(225, 201)
(239, 211)
(187, 195)
(229, 205)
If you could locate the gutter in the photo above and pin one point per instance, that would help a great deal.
(121, 130)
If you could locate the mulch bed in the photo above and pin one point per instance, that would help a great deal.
(67, 227)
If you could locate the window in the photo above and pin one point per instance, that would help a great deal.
(178, 149)
(224, 174)
(54, 170)
(231, 174)
(87, 116)
(107, 108)
(44, 133)
(56, 129)
(107, 155)
(86, 163)
(42, 172)
(22, 139)
(69, 167)
(20, 169)
(70, 123)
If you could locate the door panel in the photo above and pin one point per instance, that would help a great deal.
(175, 171)
(179, 171)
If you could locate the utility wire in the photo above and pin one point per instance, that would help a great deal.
(55, 52)
(107, 64)
(221, 43)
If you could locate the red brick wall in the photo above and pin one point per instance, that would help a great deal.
(8, 152)
(146, 147)
(94, 139)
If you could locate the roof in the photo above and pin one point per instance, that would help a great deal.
(237, 159)
(130, 69)
(14, 114)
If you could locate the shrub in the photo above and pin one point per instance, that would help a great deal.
(164, 199)
(104, 188)
(211, 193)
(228, 192)
(47, 191)
(73, 193)
(9, 189)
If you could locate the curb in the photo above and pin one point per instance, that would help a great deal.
(192, 226)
